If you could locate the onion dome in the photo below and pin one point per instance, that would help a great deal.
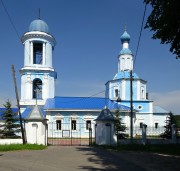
(39, 25)
(125, 37)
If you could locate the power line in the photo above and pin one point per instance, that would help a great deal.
(82, 98)
(135, 57)
(12, 23)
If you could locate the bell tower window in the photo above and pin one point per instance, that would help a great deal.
(116, 93)
(37, 89)
(37, 53)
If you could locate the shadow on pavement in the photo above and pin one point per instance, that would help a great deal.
(101, 160)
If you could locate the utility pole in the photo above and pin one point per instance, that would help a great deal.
(131, 105)
(17, 99)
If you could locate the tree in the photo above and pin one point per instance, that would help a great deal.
(164, 20)
(177, 118)
(10, 126)
(119, 125)
(170, 119)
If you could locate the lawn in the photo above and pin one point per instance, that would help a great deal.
(13, 147)
(170, 149)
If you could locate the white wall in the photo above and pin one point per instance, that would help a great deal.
(36, 133)
(10, 141)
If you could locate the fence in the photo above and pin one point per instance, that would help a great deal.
(70, 134)
(150, 135)
(151, 132)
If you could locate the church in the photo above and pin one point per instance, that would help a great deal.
(75, 115)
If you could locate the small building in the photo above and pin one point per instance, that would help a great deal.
(105, 128)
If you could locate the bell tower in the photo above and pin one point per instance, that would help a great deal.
(125, 56)
(38, 75)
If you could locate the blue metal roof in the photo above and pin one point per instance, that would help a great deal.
(125, 51)
(82, 103)
(105, 115)
(28, 110)
(39, 25)
(15, 110)
(124, 74)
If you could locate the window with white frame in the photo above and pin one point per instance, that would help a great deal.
(37, 53)
(73, 124)
(58, 121)
(142, 92)
(141, 124)
(88, 124)
(116, 91)
(156, 125)
(58, 125)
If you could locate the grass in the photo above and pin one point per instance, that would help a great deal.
(170, 149)
(14, 147)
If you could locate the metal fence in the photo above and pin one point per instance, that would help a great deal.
(151, 132)
(69, 134)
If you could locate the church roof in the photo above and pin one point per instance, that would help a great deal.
(125, 51)
(158, 110)
(124, 74)
(82, 103)
(29, 110)
(105, 115)
(39, 25)
(35, 113)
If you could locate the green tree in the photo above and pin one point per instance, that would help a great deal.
(11, 125)
(164, 20)
(170, 119)
(119, 125)
(177, 118)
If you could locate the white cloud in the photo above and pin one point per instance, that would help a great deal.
(168, 100)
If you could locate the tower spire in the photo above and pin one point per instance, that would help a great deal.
(39, 14)
(125, 27)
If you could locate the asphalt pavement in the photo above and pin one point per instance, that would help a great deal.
(73, 158)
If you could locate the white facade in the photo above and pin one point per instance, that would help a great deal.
(36, 132)
(38, 75)
(119, 88)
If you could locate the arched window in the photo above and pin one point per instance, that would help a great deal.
(37, 89)
(37, 53)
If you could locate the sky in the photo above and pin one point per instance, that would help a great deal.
(88, 42)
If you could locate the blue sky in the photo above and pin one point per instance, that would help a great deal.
(88, 41)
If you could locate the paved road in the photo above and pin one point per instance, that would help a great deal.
(59, 158)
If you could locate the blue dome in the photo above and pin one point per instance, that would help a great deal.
(125, 37)
(39, 25)
(124, 74)
(125, 51)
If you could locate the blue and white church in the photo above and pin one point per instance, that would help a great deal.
(63, 114)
